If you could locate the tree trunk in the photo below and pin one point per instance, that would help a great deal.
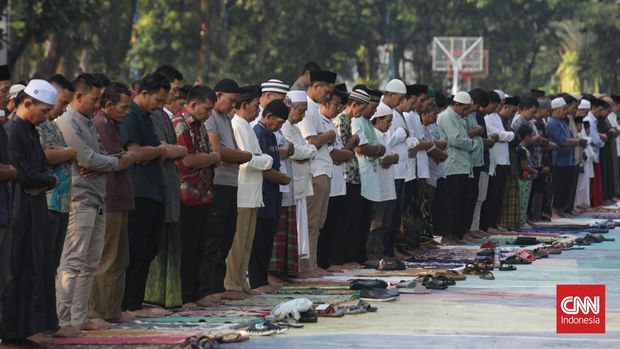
(269, 13)
(47, 66)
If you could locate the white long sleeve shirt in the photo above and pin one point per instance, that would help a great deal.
(498, 154)
(250, 190)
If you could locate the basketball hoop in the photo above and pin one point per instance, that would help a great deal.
(458, 54)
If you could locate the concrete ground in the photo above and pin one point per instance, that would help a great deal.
(515, 310)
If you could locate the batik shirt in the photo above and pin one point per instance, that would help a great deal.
(58, 199)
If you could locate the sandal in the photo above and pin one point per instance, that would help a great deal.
(505, 266)
(308, 316)
(369, 308)
(487, 275)
(445, 280)
(433, 283)
(471, 269)
(516, 259)
(326, 310)
(260, 330)
(354, 310)
(412, 287)
(290, 322)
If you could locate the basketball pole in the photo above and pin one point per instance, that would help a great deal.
(455, 76)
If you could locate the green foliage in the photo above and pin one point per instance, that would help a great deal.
(252, 40)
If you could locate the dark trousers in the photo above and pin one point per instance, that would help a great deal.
(58, 230)
(6, 279)
(333, 235)
(471, 196)
(456, 205)
(359, 243)
(438, 208)
(144, 226)
(354, 206)
(192, 222)
(394, 228)
(562, 176)
(378, 244)
(492, 206)
(539, 186)
(414, 199)
(572, 189)
(220, 234)
(258, 268)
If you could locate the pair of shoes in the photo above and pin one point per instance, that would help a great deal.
(435, 283)
(202, 342)
(364, 284)
(308, 316)
(379, 295)
(526, 241)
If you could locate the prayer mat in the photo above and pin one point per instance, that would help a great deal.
(205, 319)
(275, 299)
(406, 272)
(225, 312)
(129, 337)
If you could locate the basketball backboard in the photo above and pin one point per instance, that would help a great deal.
(458, 54)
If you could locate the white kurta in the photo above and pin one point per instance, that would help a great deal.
(498, 154)
(397, 135)
(250, 190)
(312, 125)
(302, 176)
(338, 184)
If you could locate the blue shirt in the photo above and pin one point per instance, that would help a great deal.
(271, 191)
(148, 180)
(559, 132)
(58, 199)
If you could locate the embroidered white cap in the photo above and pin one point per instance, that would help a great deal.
(396, 86)
(382, 110)
(585, 104)
(462, 97)
(558, 103)
(42, 91)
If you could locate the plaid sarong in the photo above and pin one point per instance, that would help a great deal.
(509, 217)
(284, 256)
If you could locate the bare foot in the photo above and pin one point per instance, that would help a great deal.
(67, 332)
(275, 280)
(94, 325)
(324, 272)
(306, 275)
(125, 318)
(265, 289)
(41, 338)
(335, 268)
(353, 265)
(150, 312)
(231, 295)
(190, 306)
(208, 301)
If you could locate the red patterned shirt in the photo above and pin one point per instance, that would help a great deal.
(196, 184)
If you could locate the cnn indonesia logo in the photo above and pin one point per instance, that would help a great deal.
(580, 309)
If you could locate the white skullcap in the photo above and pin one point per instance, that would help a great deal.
(15, 89)
(396, 86)
(502, 94)
(585, 104)
(42, 91)
(274, 85)
(558, 103)
(382, 110)
(297, 96)
(462, 97)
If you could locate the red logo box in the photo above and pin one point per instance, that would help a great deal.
(580, 309)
